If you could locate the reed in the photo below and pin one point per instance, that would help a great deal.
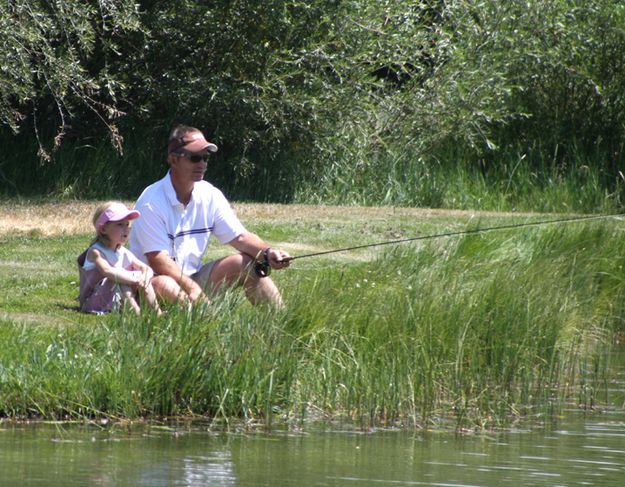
(510, 183)
(355, 175)
(479, 330)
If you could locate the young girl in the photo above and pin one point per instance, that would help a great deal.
(111, 275)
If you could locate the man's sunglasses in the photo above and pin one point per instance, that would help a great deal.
(194, 158)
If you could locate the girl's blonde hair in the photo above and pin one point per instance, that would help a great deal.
(99, 210)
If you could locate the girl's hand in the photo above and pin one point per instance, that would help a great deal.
(146, 277)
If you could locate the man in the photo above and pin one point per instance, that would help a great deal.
(179, 214)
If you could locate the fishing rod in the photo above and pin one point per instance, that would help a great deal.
(263, 268)
(460, 232)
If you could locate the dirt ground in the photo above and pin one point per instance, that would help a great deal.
(74, 217)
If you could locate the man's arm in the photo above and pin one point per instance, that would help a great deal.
(163, 264)
(252, 245)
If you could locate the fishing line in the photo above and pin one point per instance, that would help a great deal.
(461, 232)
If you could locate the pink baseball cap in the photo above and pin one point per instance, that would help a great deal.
(191, 142)
(114, 213)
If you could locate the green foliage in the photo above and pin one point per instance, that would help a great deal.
(357, 100)
(55, 71)
(522, 94)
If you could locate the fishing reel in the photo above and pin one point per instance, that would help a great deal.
(262, 267)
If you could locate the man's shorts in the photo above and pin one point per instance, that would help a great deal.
(203, 275)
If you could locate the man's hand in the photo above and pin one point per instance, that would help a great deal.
(278, 259)
(252, 245)
(197, 296)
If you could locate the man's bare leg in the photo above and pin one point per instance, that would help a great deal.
(238, 270)
(168, 289)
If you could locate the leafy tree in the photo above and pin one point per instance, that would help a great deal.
(55, 62)
(323, 96)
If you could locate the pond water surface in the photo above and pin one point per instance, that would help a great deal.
(584, 450)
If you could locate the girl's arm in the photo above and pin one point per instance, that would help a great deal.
(122, 276)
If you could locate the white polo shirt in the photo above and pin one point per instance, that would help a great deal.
(183, 233)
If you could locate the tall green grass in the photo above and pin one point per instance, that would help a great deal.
(353, 175)
(509, 183)
(478, 330)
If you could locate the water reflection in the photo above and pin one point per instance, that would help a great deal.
(193, 470)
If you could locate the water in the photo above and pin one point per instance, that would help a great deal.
(583, 450)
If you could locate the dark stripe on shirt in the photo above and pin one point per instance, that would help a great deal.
(196, 231)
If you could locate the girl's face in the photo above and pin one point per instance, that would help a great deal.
(116, 233)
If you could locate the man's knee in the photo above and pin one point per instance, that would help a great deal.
(231, 270)
(166, 288)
